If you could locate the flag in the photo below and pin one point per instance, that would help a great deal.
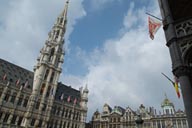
(26, 84)
(176, 85)
(154, 25)
(68, 99)
(17, 82)
(8, 83)
(21, 87)
(75, 101)
(62, 96)
(5, 77)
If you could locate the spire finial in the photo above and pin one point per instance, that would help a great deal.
(165, 95)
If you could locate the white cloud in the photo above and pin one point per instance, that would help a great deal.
(127, 70)
(100, 4)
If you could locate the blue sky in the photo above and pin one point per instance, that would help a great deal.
(107, 47)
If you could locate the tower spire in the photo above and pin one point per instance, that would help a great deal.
(60, 25)
(48, 68)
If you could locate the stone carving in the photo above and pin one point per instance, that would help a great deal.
(184, 28)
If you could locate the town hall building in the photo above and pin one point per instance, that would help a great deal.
(37, 99)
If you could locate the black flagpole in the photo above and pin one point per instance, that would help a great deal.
(153, 16)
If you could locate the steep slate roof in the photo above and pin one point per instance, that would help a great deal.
(14, 72)
(67, 91)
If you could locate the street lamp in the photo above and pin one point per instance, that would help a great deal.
(139, 121)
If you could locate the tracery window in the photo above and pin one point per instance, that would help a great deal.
(20, 100)
(13, 97)
(7, 95)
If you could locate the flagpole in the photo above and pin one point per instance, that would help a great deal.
(153, 16)
(168, 78)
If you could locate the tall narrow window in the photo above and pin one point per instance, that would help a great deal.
(63, 112)
(57, 34)
(25, 102)
(6, 98)
(13, 119)
(13, 97)
(46, 74)
(66, 113)
(52, 77)
(6, 117)
(48, 91)
(37, 105)
(51, 54)
(58, 111)
(20, 100)
(42, 88)
(33, 122)
(40, 123)
(44, 107)
(61, 20)
(0, 93)
(19, 121)
(1, 113)
(70, 112)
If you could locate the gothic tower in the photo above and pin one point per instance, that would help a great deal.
(47, 70)
(168, 107)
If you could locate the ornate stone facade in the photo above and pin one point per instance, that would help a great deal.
(36, 99)
(119, 117)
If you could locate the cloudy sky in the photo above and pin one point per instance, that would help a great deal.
(107, 46)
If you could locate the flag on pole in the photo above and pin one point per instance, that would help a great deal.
(154, 25)
(21, 87)
(176, 85)
(62, 96)
(75, 101)
(5, 77)
(69, 98)
(26, 84)
(8, 83)
(17, 82)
